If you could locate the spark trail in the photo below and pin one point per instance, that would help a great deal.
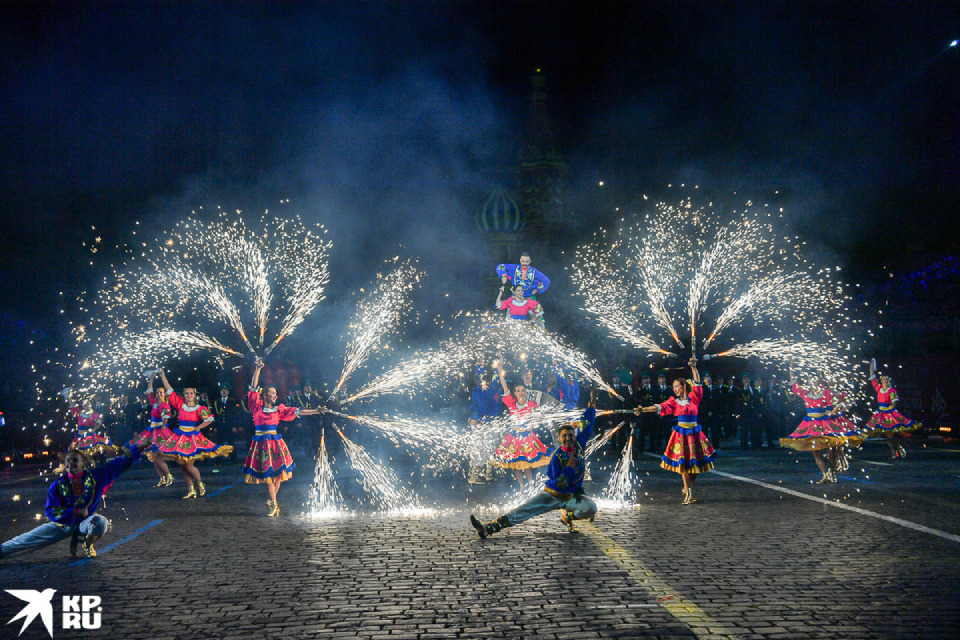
(744, 290)
(621, 489)
(324, 499)
(379, 314)
(194, 288)
(381, 483)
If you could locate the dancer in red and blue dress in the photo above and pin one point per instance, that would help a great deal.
(157, 432)
(187, 444)
(86, 438)
(519, 307)
(520, 449)
(688, 453)
(269, 461)
(823, 430)
(888, 422)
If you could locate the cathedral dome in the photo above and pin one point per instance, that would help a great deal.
(500, 214)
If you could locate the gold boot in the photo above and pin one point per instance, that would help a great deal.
(162, 483)
(168, 480)
(191, 493)
(567, 518)
(201, 489)
(274, 509)
(88, 549)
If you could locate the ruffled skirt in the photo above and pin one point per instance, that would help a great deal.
(151, 438)
(94, 445)
(521, 450)
(688, 451)
(268, 459)
(814, 434)
(884, 422)
(186, 447)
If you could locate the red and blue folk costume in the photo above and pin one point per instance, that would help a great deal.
(888, 419)
(86, 438)
(520, 447)
(533, 281)
(64, 499)
(187, 443)
(269, 458)
(157, 432)
(517, 310)
(688, 450)
(819, 430)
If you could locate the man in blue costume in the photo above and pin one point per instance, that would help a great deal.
(533, 280)
(564, 487)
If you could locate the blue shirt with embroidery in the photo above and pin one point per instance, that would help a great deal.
(533, 282)
(62, 501)
(566, 479)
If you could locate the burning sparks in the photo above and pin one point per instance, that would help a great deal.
(214, 277)
(736, 283)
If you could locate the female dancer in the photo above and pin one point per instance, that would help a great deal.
(157, 432)
(269, 461)
(85, 438)
(187, 444)
(520, 308)
(823, 429)
(520, 449)
(888, 422)
(688, 451)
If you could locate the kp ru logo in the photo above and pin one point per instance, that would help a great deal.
(79, 612)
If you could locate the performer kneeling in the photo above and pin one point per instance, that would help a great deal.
(564, 488)
(72, 502)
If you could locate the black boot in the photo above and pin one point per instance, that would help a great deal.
(487, 528)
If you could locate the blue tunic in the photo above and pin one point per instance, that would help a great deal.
(534, 282)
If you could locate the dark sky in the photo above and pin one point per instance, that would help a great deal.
(399, 116)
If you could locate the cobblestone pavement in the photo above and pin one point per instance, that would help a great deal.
(747, 560)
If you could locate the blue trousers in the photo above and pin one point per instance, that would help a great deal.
(51, 533)
(582, 507)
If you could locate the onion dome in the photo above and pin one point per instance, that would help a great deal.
(500, 214)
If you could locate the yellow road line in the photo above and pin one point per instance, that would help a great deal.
(681, 609)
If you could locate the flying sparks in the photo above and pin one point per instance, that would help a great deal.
(738, 284)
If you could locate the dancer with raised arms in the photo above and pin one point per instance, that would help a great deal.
(887, 421)
(688, 453)
(157, 432)
(269, 461)
(187, 445)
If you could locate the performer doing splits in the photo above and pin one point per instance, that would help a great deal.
(269, 461)
(187, 444)
(520, 449)
(72, 502)
(688, 450)
(822, 429)
(86, 438)
(564, 487)
(157, 432)
(888, 422)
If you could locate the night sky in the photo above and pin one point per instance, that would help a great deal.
(402, 115)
